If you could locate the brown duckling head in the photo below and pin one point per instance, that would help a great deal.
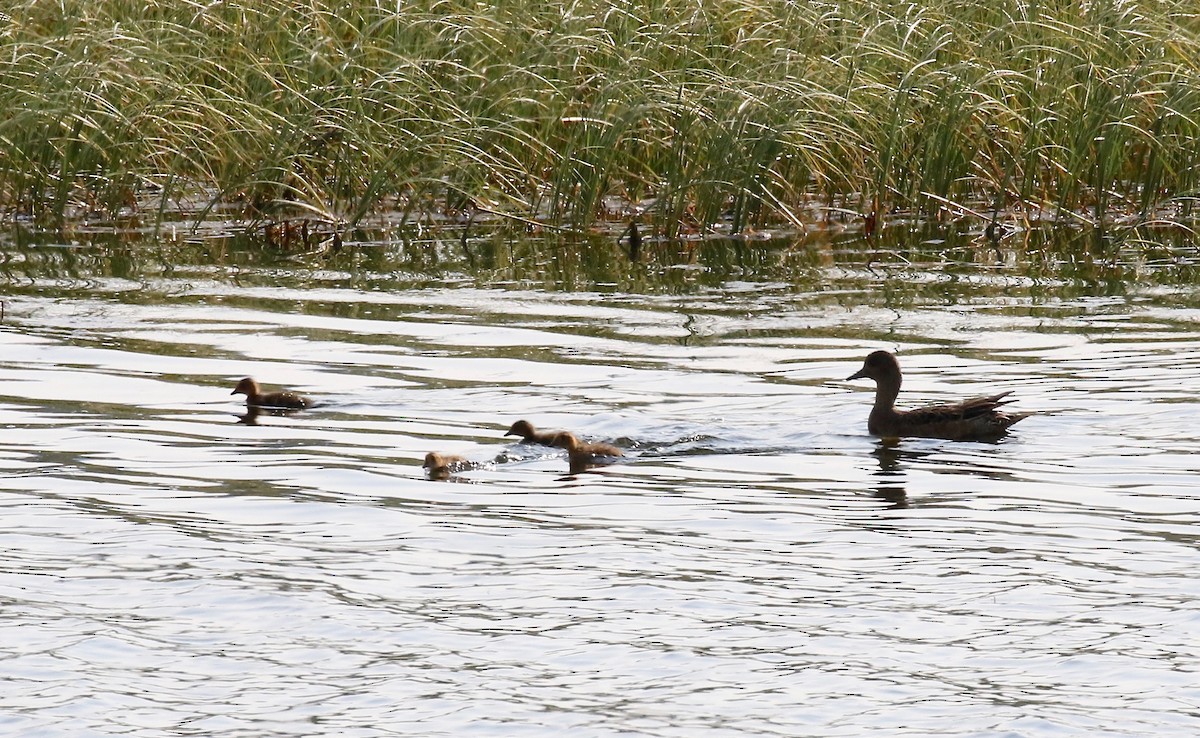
(565, 439)
(247, 387)
(522, 428)
(880, 366)
(434, 460)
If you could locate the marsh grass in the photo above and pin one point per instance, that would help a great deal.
(730, 115)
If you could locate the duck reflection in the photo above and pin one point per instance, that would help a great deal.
(890, 486)
(253, 413)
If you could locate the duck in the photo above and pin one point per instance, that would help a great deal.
(529, 434)
(583, 456)
(256, 398)
(441, 466)
(976, 419)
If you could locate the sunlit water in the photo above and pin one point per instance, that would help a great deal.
(758, 565)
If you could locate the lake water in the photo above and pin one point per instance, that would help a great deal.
(758, 565)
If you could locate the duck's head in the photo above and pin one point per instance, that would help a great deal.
(247, 387)
(565, 439)
(879, 365)
(521, 428)
(433, 460)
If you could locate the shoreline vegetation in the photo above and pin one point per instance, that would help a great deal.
(725, 116)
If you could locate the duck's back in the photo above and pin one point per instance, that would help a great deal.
(978, 418)
(289, 400)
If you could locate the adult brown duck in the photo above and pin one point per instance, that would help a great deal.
(441, 466)
(529, 434)
(582, 456)
(976, 419)
(256, 398)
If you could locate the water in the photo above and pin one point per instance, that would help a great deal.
(759, 565)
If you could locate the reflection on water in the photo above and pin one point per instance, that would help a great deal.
(890, 476)
(177, 563)
(899, 267)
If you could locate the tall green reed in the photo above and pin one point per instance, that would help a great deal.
(730, 115)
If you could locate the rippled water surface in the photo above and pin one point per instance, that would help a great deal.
(758, 565)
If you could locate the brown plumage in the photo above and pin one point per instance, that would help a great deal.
(583, 456)
(529, 434)
(256, 398)
(440, 466)
(976, 419)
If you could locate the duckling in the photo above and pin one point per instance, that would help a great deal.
(581, 455)
(529, 434)
(255, 398)
(441, 466)
(976, 419)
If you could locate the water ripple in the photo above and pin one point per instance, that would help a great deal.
(757, 564)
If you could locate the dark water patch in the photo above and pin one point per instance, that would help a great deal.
(898, 267)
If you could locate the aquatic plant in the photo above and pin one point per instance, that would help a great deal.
(731, 115)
